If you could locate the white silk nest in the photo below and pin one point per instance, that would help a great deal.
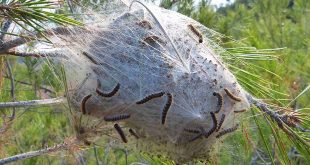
(144, 72)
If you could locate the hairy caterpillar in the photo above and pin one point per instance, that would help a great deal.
(145, 24)
(219, 101)
(121, 133)
(116, 117)
(166, 108)
(207, 134)
(221, 122)
(110, 94)
(153, 39)
(90, 58)
(83, 104)
(133, 133)
(192, 130)
(232, 96)
(240, 111)
(150, 97)
(227, 131)
(195, 31)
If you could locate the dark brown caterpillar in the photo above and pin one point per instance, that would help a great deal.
(166, 108)
(116, 117)
(133, 133)
(83, 104)
(152, 39)
(207, 134)
(221, 122)
(110, 94)
(120, 132)
(196, 137)
(192, 130)
(197, 32)
(243, 110)
(232, 96)
(145, 24)
(150, 97)
(90, 58)
(227, 131)
(219, 101)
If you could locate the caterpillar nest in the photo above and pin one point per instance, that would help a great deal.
(150, 78)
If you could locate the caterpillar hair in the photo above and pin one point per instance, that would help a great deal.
(213, 127)
(116, 117)
(133, 133)
(232, 96)
(221, 122)
(83, 104)
(227, 131)
(90, 58)
(195, 31)
(150, 97)
(219, 101)
(166, 108)
(110, 94)
(120, 132)
(240, 111)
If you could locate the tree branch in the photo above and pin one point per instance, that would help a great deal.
(11, 76)
(26, 83)
(34, 153)
(32, 37)
(35, 55)
(57, 100)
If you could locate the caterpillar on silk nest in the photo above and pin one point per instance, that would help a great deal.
(143, 72)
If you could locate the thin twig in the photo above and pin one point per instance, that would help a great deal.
(10, 73)
(35, 55)
(57, 100)
(26, 83)
(34, 153)
(32, 37)
(279, 119)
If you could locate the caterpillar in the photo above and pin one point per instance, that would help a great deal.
(221, 122)
(90, 58)
(214, 125)
(195, 31)
(192, 130)
(145, 24)
(196, 137)
(150, 97)
(110, 94)
(133, 133)
(227, 131)
(120, 132)
(116, 117)
(152, 39)
(220, 101)
(83, 104)
(166, 108)
(232, 96)
(243, 110)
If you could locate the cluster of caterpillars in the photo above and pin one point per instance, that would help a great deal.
(216, 124)
(123, 116)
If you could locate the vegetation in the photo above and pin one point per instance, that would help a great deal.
(279, 28)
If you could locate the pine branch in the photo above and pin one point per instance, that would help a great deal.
(52, 101)
(32, 37)
(34, 153)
